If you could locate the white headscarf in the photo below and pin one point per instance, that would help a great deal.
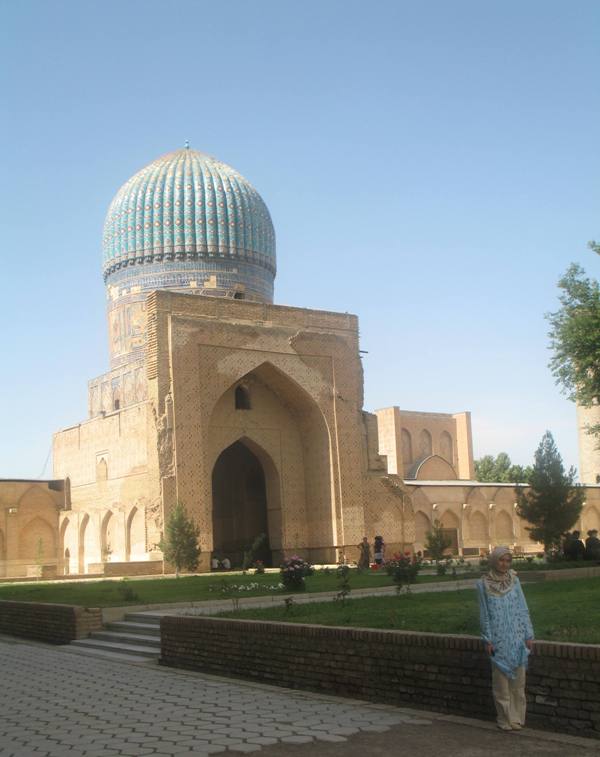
(495, 582)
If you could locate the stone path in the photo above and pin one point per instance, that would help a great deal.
(54, 702)
(57, 703)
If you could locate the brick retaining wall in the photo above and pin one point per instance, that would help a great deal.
(58, 624)
(430, 671)
(139, 568)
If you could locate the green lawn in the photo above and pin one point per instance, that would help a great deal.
(184, 589)
(560, 611)
(162, 590)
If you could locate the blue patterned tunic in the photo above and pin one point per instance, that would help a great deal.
(506, 624)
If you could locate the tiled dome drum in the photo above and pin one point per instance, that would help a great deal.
(188, 220)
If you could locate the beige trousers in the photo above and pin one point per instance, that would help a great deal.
(509, 696)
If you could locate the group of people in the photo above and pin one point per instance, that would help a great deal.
(575, 549)
(220, 564)
(364, 552)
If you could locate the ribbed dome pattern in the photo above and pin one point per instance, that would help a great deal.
(184, 206)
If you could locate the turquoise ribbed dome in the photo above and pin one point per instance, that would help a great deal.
(187, 206)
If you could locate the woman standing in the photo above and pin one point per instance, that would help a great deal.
(507, 633)
(378, 550)
(364, 558)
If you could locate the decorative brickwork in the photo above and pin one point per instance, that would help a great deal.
(431, 671)
(58, 624)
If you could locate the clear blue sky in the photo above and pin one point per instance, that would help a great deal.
(432, 167)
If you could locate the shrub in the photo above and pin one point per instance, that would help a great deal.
(403, 569)
(251, 554)
(293, 571)
(179, 544)
(343, 579)
(125, 591)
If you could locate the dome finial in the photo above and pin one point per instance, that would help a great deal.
(187, 144)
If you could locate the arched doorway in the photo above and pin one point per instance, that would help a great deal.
(81, 553)
(239, 504)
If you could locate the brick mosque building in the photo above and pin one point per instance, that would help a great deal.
(249, 413)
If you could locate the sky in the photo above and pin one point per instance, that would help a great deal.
(431, 167)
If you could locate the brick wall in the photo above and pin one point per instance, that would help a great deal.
(430, 671)
(140, 568)
(58, 624)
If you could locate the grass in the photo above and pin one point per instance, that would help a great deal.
(149, 591)
(560, 611)
(116, 593)
(162, 590)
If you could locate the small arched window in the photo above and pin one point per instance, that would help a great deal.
(242, 398)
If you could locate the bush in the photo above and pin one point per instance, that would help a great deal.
(403, 569)
(293, 571)
(257, 547)
(125, 591)
(179, 544)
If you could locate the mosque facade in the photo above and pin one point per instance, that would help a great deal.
(249, 413)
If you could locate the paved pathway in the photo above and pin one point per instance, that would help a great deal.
(55, 702)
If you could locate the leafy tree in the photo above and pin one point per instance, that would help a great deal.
(436, 541)
(575, 337)
(179, 544)
(499, 469)
(552, 503)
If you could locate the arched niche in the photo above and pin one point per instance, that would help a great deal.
(446, 447)
(135, 535)
(37, 541)
(242, 398)
(107, 536)
(85, 539)
(422, 527)
(65, 544)
(291, 438)
(450, 528)
(425, 444)
(504, 528)
(101, 470)
(240, 513)
(478, 529)
(407, 450)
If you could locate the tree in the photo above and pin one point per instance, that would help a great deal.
(257, 547)
(436, 541)
(575, 337)
(552, 503)
(179, 544)
(500, 470)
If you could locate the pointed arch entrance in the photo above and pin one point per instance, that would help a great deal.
(240, 512)
(285, 428)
